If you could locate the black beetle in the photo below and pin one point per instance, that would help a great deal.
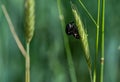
(71, 29)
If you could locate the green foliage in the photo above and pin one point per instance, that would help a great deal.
(47, 52)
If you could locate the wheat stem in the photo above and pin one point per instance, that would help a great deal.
(20, 46)
(102, 44)
(97, 41)
(11, 26)
(66, 44)
(27, 64)
(88, 12)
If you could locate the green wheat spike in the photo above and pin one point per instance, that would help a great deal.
(83, 37)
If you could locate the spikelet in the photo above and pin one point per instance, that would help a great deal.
(29, 19)
(83, 36)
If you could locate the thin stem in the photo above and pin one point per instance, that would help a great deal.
(97, 41)
(90, 72)
(66, 44)
(27, 65)
(28, 46)
(11, 26)
(88, 12)
(102, 44)
(20, 46)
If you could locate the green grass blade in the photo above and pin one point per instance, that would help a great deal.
(66, 44)
(88, 12)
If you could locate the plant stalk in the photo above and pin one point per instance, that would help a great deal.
(102, 44)
(11, 26)
(27, 64)
(66, 44)
(20, 46)
(97, 42)
(91, 17)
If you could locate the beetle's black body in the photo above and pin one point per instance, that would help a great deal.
(71, 29)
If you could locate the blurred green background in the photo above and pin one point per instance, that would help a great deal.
(47, 52)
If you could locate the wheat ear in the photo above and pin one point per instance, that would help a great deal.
(83, 38)
(29, 31)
